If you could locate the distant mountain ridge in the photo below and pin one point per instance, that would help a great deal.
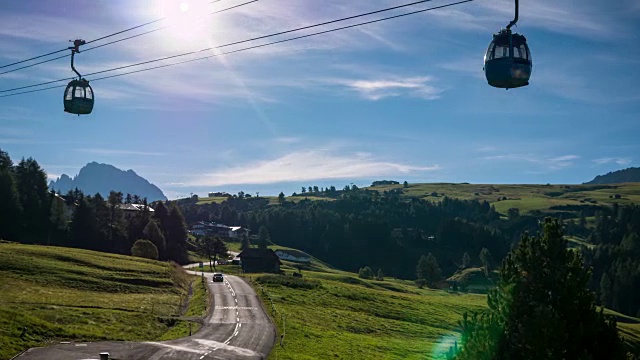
(631, 174)
(103, 178)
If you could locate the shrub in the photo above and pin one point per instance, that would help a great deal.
(365, 273)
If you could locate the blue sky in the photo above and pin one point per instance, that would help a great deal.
(404, 99)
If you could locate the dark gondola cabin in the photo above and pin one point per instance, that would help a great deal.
(78, 97)
(507, 63)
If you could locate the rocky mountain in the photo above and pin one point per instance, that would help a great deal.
(102, 178)
(621, 176)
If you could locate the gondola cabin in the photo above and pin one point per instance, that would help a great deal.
(78, 97)
(507, 63)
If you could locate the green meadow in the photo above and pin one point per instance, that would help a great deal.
(525, 197)
(330, 314)
(71, 294)
(334, 314)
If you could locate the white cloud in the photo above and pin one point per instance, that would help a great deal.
(377, 89)
(117, 152)
(607, 160)
(549, 163)
(307, 165)
(287, 139)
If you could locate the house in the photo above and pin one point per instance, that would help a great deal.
(256, 260)
(132, 209)
(236, 232)
(293, 255)
(218, 194)
(208, 228)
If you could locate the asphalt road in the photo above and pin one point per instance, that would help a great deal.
(237, 328)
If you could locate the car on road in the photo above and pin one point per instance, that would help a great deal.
(217, 277)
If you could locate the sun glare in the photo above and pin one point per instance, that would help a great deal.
(189, 25)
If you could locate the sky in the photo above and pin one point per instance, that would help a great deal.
(404, 99)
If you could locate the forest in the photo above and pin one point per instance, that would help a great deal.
(32, 214)
(357, 228)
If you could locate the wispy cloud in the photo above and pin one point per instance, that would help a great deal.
(608, 160)
(550, 163)
(308, 165)
(377, 89)
(287, 139)
(119, 152)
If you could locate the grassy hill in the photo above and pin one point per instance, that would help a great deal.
(62, 294)
(527, 198)
(332, 314)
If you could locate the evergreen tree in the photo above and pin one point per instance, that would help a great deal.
(281, 198)
(421, 271)
(541, 308)
(83, 225)
(434, 274)
(57, 221)
(264, 238)
(244, 242)
(31, 183)
(176, 233)
(152, 233)
(380, 276)
(10, 208)
(144, 249)
(365, 273)
(466, 260)
(486, 259)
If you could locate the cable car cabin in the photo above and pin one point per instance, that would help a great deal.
(78, 97)
(507, 63)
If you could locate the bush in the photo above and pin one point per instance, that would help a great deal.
(144, 249)
(365, 273)
(289, 281)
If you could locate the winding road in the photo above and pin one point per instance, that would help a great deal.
(237, 328)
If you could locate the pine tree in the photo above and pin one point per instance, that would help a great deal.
(426, 270)
(33, 192)
(380, 276)
(541, 308)
(245, 243)
(10, 208)
(466, 260)
(486, 259)
(263, 237)
(152, 233)
(175, 230)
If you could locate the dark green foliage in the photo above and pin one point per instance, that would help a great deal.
(289, 281)
(212, 247)
(175, 234)
(31, 184)
(466, 260)
(264, 238)
(281, 198)
(541, 308)
(380, 276)
(144, 249)
(244, 242)
(365, 273)
(10, 207)
(428, 269)
(616, 258)
(153, 233)
(487, 260)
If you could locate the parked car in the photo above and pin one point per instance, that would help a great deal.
(217, 277)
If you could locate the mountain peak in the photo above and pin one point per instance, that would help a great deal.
(103, 178)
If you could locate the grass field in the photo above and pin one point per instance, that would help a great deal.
(331, 314)
(526, 198)
(336, 315)
(62, 293)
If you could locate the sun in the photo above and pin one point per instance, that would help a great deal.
(189, 26)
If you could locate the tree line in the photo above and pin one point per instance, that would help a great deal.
(30, 213)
